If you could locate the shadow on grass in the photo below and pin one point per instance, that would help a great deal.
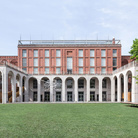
(134, 105)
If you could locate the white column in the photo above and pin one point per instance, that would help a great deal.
(26, 89)
(76, 89)
(38, 90)
(118, 89)
(4, 87)
(125, 88)
(100, 89)
(113, 90)
(88, 90)
(63, 90)
(134, 87)
(51, 91)
(13, 80)
(20, 90)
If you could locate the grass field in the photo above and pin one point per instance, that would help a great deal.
(68, 120)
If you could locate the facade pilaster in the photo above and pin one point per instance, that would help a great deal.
(20, 90)
(88, 90)
(26, 89)
(63, 90)
(100, 89)
(38, 90)
(51, 91)
(118, 89)
(13, 81)
(125, 88)
(112, 90)
(76, 89)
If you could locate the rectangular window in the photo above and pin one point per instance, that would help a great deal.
(47, 62)
(35, 62)
(35, 70)
(91, 53)
(114, 52)
(24, 62)
(35, 53)
(114, 61)
(80, 70)
(80, 53)
(91, 61)
(103, 70)
(24, 53)
(46, 70)
(24, 69)
(46, 53)
(69, 84)
(35, 84)
(69, 63)
(104, 83)
(80, 83)
(58, 62)
(57, 70)
(103, 62)
(58, 53)
(81, 62)
(103, 54)
(92, 71)
(92, 83)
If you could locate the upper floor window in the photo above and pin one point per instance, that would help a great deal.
(92, 53)
(103, 70)
(80, 53)
(58, 53)
(80, 61)
(80, 70)
(35, 53)
(91, 61)
(46, 53)
(24, 62)
(35, 70)
(47, 62)
(103, 53)
(46, 70)
(24, 53)
(92, 70)
(57, 70)
(103, 62)
(58, 62)
(35, 61)
(114, 52)
(114, 61)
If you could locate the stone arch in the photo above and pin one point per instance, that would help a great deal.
(69, 88)
(82, 89)
(106, 89)
(94, 89)
(33, 89)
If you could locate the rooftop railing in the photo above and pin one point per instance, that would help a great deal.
(64, 42)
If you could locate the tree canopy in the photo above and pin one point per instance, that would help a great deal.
(134, 50)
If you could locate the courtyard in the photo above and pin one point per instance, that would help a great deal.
(68, 120)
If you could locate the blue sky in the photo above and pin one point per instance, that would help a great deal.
(67, 19)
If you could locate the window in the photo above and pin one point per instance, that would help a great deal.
(35, 53)
(35, 84)
(69, 63)
(103, 54)
(103, 70)
(57, 70)
(69, 84)
(80, 61)
(80, 53)
(35, 70)
(35, 62)
(92, 71)
(24, 69)
(80, 83)
(114, 61)
(47, 62)
(24, 53)
(92, 83)
(91, 53)
(103, 62)
(24, 62)
(58, 62)
(80, 70)
(46, 70)
(57, 53)
(114, 52)
(91, 61)
(58, 84)
(104, 83)
(46, 53)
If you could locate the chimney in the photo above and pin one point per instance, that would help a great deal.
(113, 42)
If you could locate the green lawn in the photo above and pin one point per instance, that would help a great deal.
(68, 120)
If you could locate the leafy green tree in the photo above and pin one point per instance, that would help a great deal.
(134, 50)
(134, 54)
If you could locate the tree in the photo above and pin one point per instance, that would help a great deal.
(134, 54)
(134, 50)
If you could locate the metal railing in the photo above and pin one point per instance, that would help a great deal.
(127, 66)
(64, 42)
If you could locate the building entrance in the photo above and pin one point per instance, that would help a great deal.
(81, 96)
(69, 96)
(47, 97)
(103, 96)
(35, 96)
(92, 96)
(58, 96)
